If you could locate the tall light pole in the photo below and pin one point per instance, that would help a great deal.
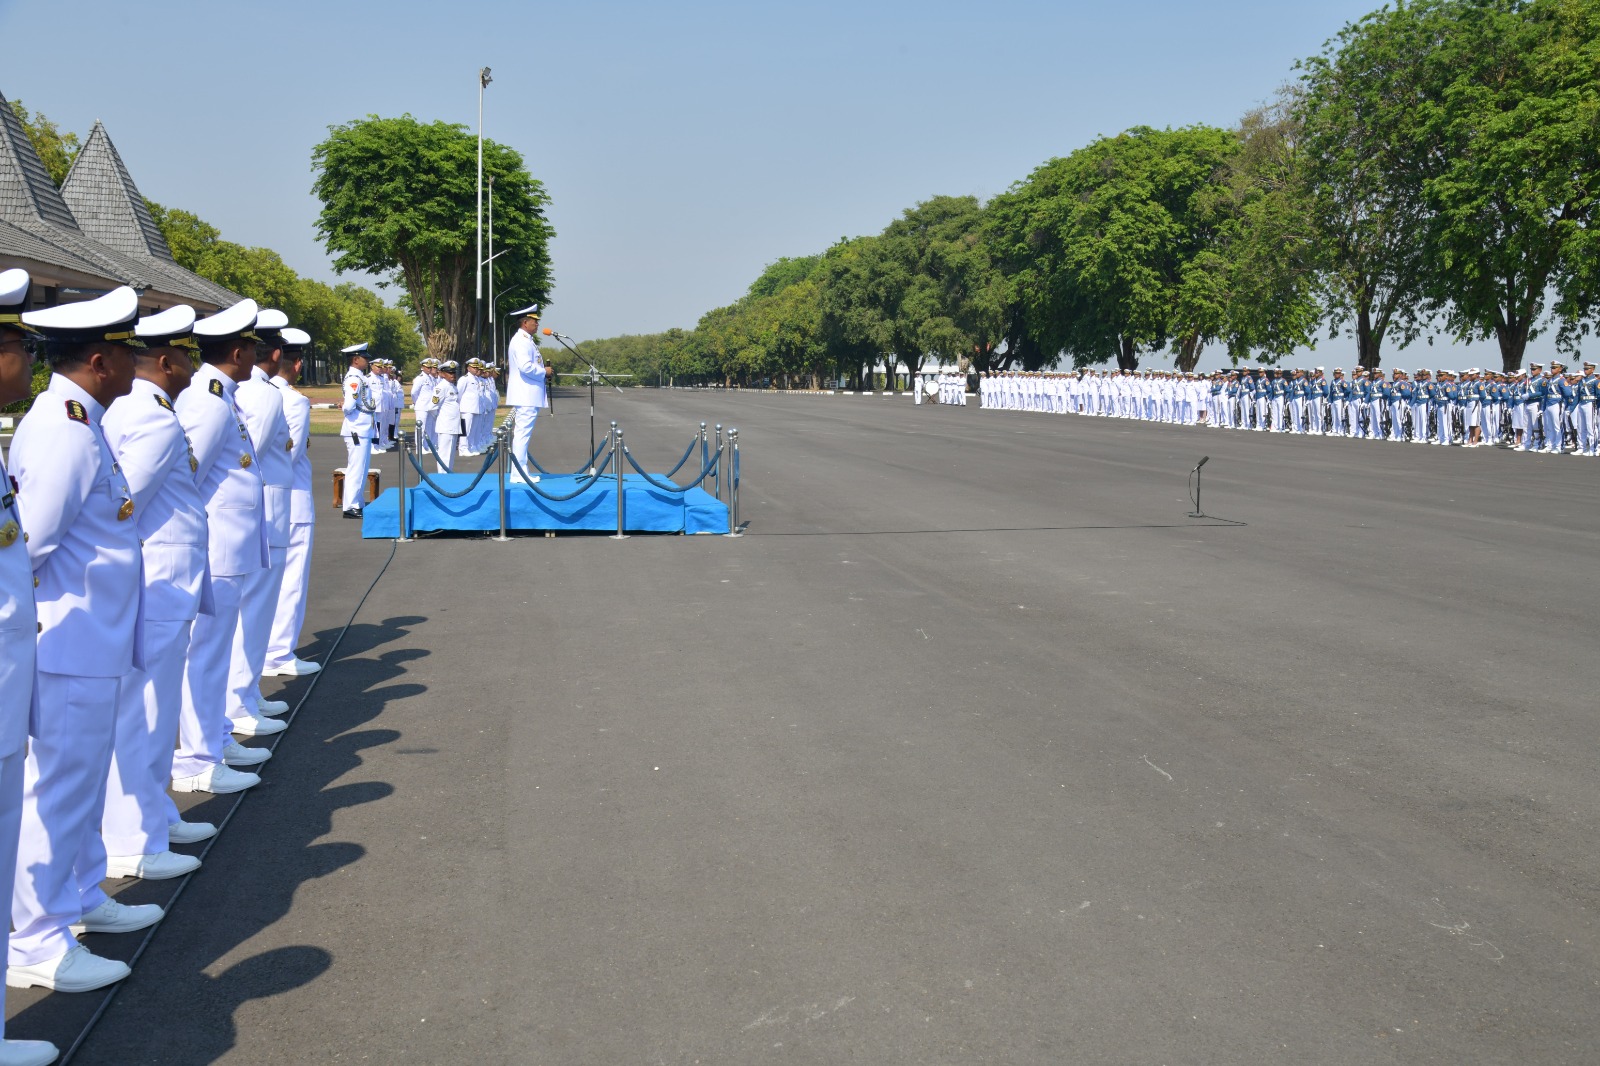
(494, 319)
(477, 325)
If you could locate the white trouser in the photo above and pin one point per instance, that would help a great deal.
(1583, 424)
(138, 809)
(11, 774)
(60, 858)
(203, 728)
(357, 457)
(522, 434)
(290, 614)
(257, 605)
(1553, 432)
(469, 432)
(448, 442)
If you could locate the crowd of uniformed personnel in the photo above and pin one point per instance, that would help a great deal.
(1551, 410)
(155, 540)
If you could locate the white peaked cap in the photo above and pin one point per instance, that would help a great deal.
(271, 318)
(298, 338)
(356, 349)
(13, 286)
(114, 308)
(168, 323)
(229, 322)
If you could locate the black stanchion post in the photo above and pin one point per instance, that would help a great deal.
(503, 462)
(616, 457)
(400, 448)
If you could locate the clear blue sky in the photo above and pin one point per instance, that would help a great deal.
(684, 145)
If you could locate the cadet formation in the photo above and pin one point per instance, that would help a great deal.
(1551, 409)
(156, 531)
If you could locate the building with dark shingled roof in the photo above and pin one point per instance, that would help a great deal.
(91, 235)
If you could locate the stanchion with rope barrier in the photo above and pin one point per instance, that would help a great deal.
(733, 487)
(618, 450)
(504, 453)
(400, 449)
(718, 493)
(669, 486)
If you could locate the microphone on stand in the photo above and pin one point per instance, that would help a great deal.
(1195, 477)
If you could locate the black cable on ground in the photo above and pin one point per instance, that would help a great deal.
(183, 882)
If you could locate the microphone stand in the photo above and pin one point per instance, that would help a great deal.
(593, 378)
(1195, 473)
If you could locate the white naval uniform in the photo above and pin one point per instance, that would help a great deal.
(148, 441)
(261, 408)
(525, 390)
(229, 480)
(470, 395)
(359, 407)
(421, 386)
(18, 646)
(447, 424)
(87, 561)
(290, 614)
(380, 417)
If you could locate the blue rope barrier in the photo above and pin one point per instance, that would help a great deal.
(590, 480)
(488, 461)
(669, 486)
(585, 468)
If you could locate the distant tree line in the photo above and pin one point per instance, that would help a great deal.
(1434, 172)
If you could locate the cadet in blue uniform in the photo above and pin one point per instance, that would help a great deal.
(151, 447)
(1584, 421)
(84, 548)
(18, 619)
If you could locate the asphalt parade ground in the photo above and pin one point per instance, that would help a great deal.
(975, 749)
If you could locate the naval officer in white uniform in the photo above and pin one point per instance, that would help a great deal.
(84, 548)
(150, 445)
(525, 380)
(261, 407)
(359, 407)
(290, 615)
(229, 480)
(18, 619)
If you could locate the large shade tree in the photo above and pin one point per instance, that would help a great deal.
(399, 199)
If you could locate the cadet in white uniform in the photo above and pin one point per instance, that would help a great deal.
(149, 444)
(84, 548)
(446, 416)
(359, 407)
(261, 409)
(18, 619)
(525, 380)
(470, 395)
(229, 480)
(290, 615)
(422, 403)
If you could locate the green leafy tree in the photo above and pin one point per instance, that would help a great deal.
(1368, 207)
(399, 200)
(1102, 243)
(56, 150)
(1506, 115)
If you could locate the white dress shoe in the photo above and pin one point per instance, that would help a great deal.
(217, 780)
(79, 970)
(157, 867)
(236, 754)
(296, 667)
(271, 706)
(28, 1053)
(256, 726)
(114, 917)
(190, 832)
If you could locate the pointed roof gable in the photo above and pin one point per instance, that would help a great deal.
(26, 192)
(103, 198)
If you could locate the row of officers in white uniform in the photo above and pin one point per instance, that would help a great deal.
(454, 413)
(1551, 410)
(155, 542)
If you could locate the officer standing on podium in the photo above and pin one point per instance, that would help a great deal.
(84, 547)
(525, 380)
(359, 408)
(18, 619)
